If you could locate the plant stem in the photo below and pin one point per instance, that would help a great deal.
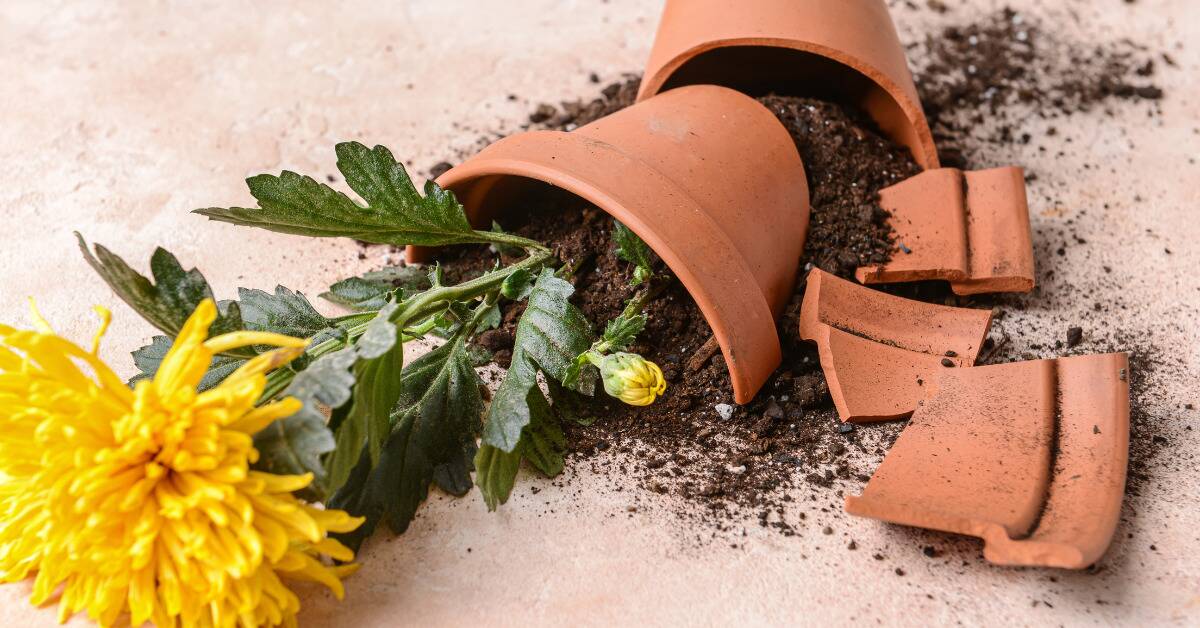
(499, 237)
(430, 301)
(417, 308)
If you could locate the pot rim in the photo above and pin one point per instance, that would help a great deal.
(928, 158)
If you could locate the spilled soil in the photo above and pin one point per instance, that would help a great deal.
(729, 463)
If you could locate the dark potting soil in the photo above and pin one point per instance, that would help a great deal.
(978, 82)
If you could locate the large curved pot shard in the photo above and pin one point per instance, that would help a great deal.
(707, 176)
(847, 50)
(1030, 456)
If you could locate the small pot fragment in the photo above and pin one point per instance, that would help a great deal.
(968, 228)
(724, 205)
(878, 351)
(1030, 456)
(843, 50)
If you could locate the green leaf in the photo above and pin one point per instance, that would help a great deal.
(432, 440)
(370, 291)
(150, 357)
(491, 319)
(294, 445)
(621, 331)
(551, 334)
(395, 213)
(377, 373)
(479, 356)
(542, 443)
(518, 285)
(170, 299)
(284, 312)
(496, 473)
(632, 249)
(569, 405)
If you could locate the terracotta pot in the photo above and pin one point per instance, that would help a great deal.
(879, 351)
(707, 176)
(845, 50)
(1030, 456)
(968, 228)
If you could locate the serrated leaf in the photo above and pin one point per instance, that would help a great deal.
(294, 445)
(632, 249)
(327, 380)
(370, 291)
(395, 213)
(285, 312)
(168, 300)
(377, 374)
(491, 319)
(150, 357)
(542, 443)
(479, 356)
(621, 331)
(550, 335)
(358, 294)
(432, 440)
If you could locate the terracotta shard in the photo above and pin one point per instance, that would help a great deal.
(1029, 456)
(844, 50)
(968, 228)
(724, 204)
(879, 351)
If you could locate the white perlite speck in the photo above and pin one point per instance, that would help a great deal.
(724, 409)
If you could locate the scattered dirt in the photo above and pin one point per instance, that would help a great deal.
(979, 83)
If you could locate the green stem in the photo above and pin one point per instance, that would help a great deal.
(431, 301)
(354, 319)
(499, 237)
(412, 333)
(417, 308)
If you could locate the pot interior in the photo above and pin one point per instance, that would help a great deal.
(754, 70)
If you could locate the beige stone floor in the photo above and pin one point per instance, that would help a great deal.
(118, 117)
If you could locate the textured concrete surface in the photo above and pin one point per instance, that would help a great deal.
(120, 117)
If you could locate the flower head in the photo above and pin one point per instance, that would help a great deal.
(631, 378)
(143, 501)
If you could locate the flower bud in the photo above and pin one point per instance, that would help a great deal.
(632, 378)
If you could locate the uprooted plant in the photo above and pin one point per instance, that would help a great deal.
(375, 431)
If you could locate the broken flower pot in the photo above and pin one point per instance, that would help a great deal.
(1030, 456)
(844, 50)
(878, 351)
(968, 228)
(705, 175)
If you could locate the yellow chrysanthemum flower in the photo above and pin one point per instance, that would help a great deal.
(631, 378)
(142, 501)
